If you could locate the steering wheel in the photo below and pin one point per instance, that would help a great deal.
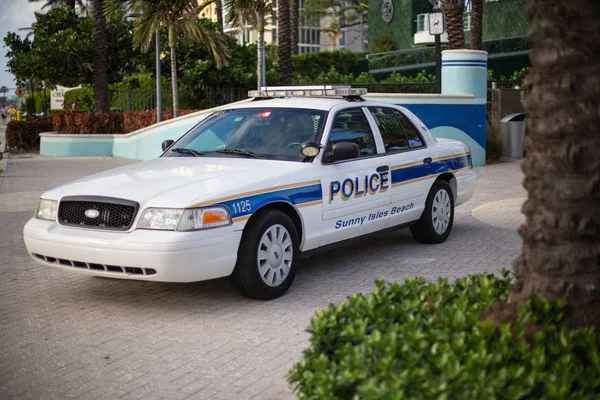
(293, 144)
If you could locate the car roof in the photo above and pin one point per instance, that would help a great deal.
(315, 103)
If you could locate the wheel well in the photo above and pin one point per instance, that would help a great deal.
(288, 209)
(451, 179)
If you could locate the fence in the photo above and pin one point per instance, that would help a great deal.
(199, 97)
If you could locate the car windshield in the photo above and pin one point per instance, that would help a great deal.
(267, 133)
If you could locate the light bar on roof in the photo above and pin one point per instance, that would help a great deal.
(307, 91)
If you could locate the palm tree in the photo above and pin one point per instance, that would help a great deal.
(561, 236)
(294, 20)
(284, 50)
(100, 38)
(219, 12)
(179, 17)
(453, 10)
(476, 24)
(244, 13)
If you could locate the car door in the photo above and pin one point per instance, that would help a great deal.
(356, 192)
(407, 153)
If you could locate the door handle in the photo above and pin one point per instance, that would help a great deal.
(383, 168)
(428, 160)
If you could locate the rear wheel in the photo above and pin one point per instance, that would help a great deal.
(435, 224)
(268, 256)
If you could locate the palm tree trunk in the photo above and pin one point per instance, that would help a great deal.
(453, 10)
(561, 237)
(99, 37)
(219, 12)
(294, 20)
(260, 27)
(172, 45)
(476, 24)
(284, 53)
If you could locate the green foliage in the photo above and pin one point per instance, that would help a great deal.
(383, 44)
(426, 340)
(24, 135)
(520, 74)
(30, 105)
(83, 97)
(344, 61)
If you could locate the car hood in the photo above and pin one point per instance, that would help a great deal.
(183, 181)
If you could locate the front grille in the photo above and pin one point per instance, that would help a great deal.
(103, 212)
(115, 269)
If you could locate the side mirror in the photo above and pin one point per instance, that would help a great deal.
(166, 144)
(343, 151)
(310, 148)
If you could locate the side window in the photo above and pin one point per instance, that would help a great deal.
(352, 126)
(414, 137)
(397, 132)
(392, 133)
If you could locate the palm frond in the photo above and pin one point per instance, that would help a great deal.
(212, 40)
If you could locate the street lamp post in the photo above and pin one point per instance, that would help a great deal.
(158, 79)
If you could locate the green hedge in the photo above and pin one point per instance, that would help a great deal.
(426, 340)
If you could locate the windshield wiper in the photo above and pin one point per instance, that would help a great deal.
(240, 152)
(183, 150)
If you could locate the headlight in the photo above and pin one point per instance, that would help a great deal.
(184, 220)
(160, 218)
(47, 209)
(204, 218)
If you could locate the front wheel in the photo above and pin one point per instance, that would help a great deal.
(435, 224)
(268, 256)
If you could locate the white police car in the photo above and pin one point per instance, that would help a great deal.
(255, 187)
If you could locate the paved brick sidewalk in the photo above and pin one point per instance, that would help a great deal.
(64, 335)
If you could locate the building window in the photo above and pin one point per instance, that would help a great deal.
(422, 22)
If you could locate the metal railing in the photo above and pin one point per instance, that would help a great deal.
(425, 57)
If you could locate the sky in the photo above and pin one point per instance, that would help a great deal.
(14, 14)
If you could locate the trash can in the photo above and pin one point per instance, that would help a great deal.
(512, 132)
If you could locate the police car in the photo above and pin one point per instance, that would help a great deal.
(255, 187)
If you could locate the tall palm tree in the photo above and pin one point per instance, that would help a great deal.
(100, 39)
(476, 24)
(454, 10)
(244, 13)
(219, 12)
(284, 49)
(179, 17)
(561, 236)
(294, 20)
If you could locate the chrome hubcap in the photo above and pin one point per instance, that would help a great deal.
(440, 214)
(275, 254)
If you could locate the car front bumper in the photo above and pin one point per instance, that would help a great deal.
(162, 256)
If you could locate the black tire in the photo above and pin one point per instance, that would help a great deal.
(246, 275)
(424, 230)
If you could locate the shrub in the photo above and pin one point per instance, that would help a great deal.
(79, 122)
(30, 105)
(24, 135)
(87, 122)
(312, 64)
(384, 44)
(426, 340)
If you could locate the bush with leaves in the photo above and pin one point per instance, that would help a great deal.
(25, 135)
(83, 122)
(427, 340)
